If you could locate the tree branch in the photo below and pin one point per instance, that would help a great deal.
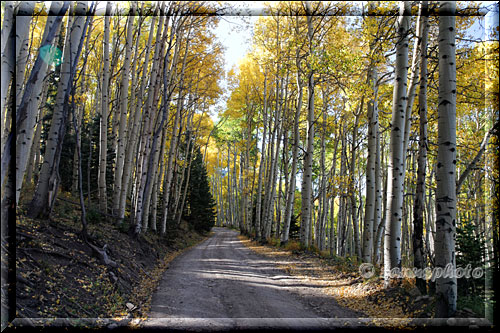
(474, 161)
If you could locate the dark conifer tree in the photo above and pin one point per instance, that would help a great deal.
(201, 214)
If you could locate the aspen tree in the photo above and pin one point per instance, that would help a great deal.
(332, 237)
(446, 286)
(47, 186)
(78, 113)
(392, 242)
(7, 24)
(173, 143)
(418, 211)
(7, 35)
(146, 117)
(135, 104)
(323, 203)
(295, 150)
(377, 222)
(249, 194)
(156, 183)
(373, 133)
(262, 163)
(103, 136)
(138, 116)
(234, 188)
(412, 83)
(308, 155)
(341, 217)
(33, 93)
(23, 22)
(273, 159)
(370, 220)
(8, 55)
(352, 188)
(122, 116)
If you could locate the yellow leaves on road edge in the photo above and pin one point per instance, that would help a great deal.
(346, 287)
(143, 292)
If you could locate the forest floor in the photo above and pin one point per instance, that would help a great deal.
(59, 276)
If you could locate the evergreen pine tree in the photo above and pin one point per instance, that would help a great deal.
(200, 201)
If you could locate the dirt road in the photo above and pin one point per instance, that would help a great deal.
(221, 282)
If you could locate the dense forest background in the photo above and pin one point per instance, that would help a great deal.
(370, 136)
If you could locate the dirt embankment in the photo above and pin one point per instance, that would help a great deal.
(59, 276)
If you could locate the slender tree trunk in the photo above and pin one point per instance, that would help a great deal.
(230, 198)
(249, 189)
(23, 22)
(8, 24)
(262, 165)
(323, 203)
(103, 144)
(7, 47)
(122, 140)
(392, 244)
(274, 156)
(418, 211)
(156, 182)
(173, 142)
(352, 196)
(308, 155)
(341, 217)
(8, 56)
(146, 117)
(295, 151)
(34, 156)
(332, 237)
(78, 113)
(48, 183)
(234, 191)
(32, 94)
(446, 287)
(136, 116)
(377, 222)
(369, 219)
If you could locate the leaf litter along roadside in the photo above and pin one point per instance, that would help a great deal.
(341, 279)
(58, 276)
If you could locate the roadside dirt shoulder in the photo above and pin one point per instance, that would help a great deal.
(346, 286)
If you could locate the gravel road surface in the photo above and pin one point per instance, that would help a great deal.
(221, 283)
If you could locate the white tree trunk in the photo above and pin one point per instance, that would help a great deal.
(261, 165)
(446, 287)
(174, 141)
(293, 174)
(8, 23)
(32, 96)
(122, 124)
(419, 204)
(136, 121)
(308, 155)
(392, 245)
(23, 21)
(352, 171)
(370, 206)
(48, 183)
(103, 139)
(7, 57)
